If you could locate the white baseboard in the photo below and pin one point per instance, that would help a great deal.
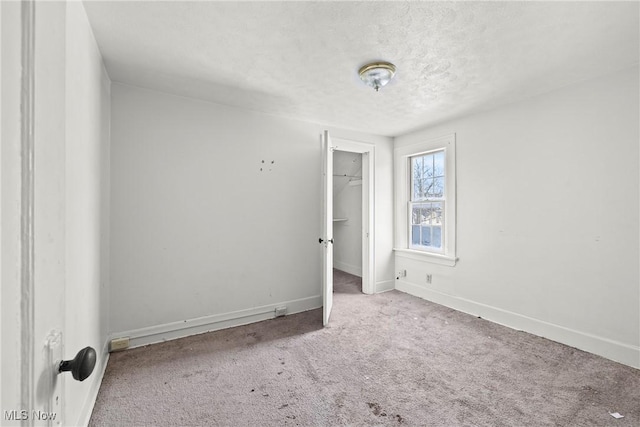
(384, 286)
(610, 349)
(348, 268)
(174, 330)
(98, 375)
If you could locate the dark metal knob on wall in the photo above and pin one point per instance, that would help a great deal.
(82, 365)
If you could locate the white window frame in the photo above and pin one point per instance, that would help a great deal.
(402, 245)
(440, 200)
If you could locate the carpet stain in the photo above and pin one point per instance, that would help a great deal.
(255, 336)
(311, 372)
(376, 409)
(379, 412)
(589, 389)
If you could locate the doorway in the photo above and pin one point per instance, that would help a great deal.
(361, 183)
(367, 151)
(347, 215)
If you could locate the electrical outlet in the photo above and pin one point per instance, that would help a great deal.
(402, 273)
(429, 278)
(281, 311)
(119, 344)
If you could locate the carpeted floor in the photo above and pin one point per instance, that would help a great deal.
(388, 359)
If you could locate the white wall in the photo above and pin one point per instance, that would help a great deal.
(87, 206)
(347, 248)
(201, 238)
(548, 196)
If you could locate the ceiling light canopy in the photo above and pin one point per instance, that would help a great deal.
(377, 74)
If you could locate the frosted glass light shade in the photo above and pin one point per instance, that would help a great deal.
(377, 74)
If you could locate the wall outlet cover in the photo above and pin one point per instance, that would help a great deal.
(119, 344)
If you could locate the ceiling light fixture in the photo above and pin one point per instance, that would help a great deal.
(377, 74)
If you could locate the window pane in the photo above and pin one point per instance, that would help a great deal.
(426, 235)
(422, 173)
(417, 176)
(427, 214)
(424, 214)
(438, 163)
(436, 213)
(415, 234)
(415, 214)
(428, 165)
(437, 190)
(419, 213)
(427, 176)
(437, 237)
(427, 224)
(429, 186)
(420, 189)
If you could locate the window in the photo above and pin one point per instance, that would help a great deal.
(426, 201)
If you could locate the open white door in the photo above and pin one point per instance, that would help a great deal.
(33, 199)
(327, 228)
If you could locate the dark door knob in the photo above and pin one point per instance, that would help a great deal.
(82, 365)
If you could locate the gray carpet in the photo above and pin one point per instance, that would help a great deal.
(388, 359)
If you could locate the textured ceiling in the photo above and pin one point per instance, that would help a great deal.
(300, 59)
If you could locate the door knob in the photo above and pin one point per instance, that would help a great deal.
(80, 366)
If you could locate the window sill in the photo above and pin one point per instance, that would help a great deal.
(426, 256)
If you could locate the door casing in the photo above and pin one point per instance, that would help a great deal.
(368, 207)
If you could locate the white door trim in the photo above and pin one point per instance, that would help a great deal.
(327, 227)
(27, 241)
